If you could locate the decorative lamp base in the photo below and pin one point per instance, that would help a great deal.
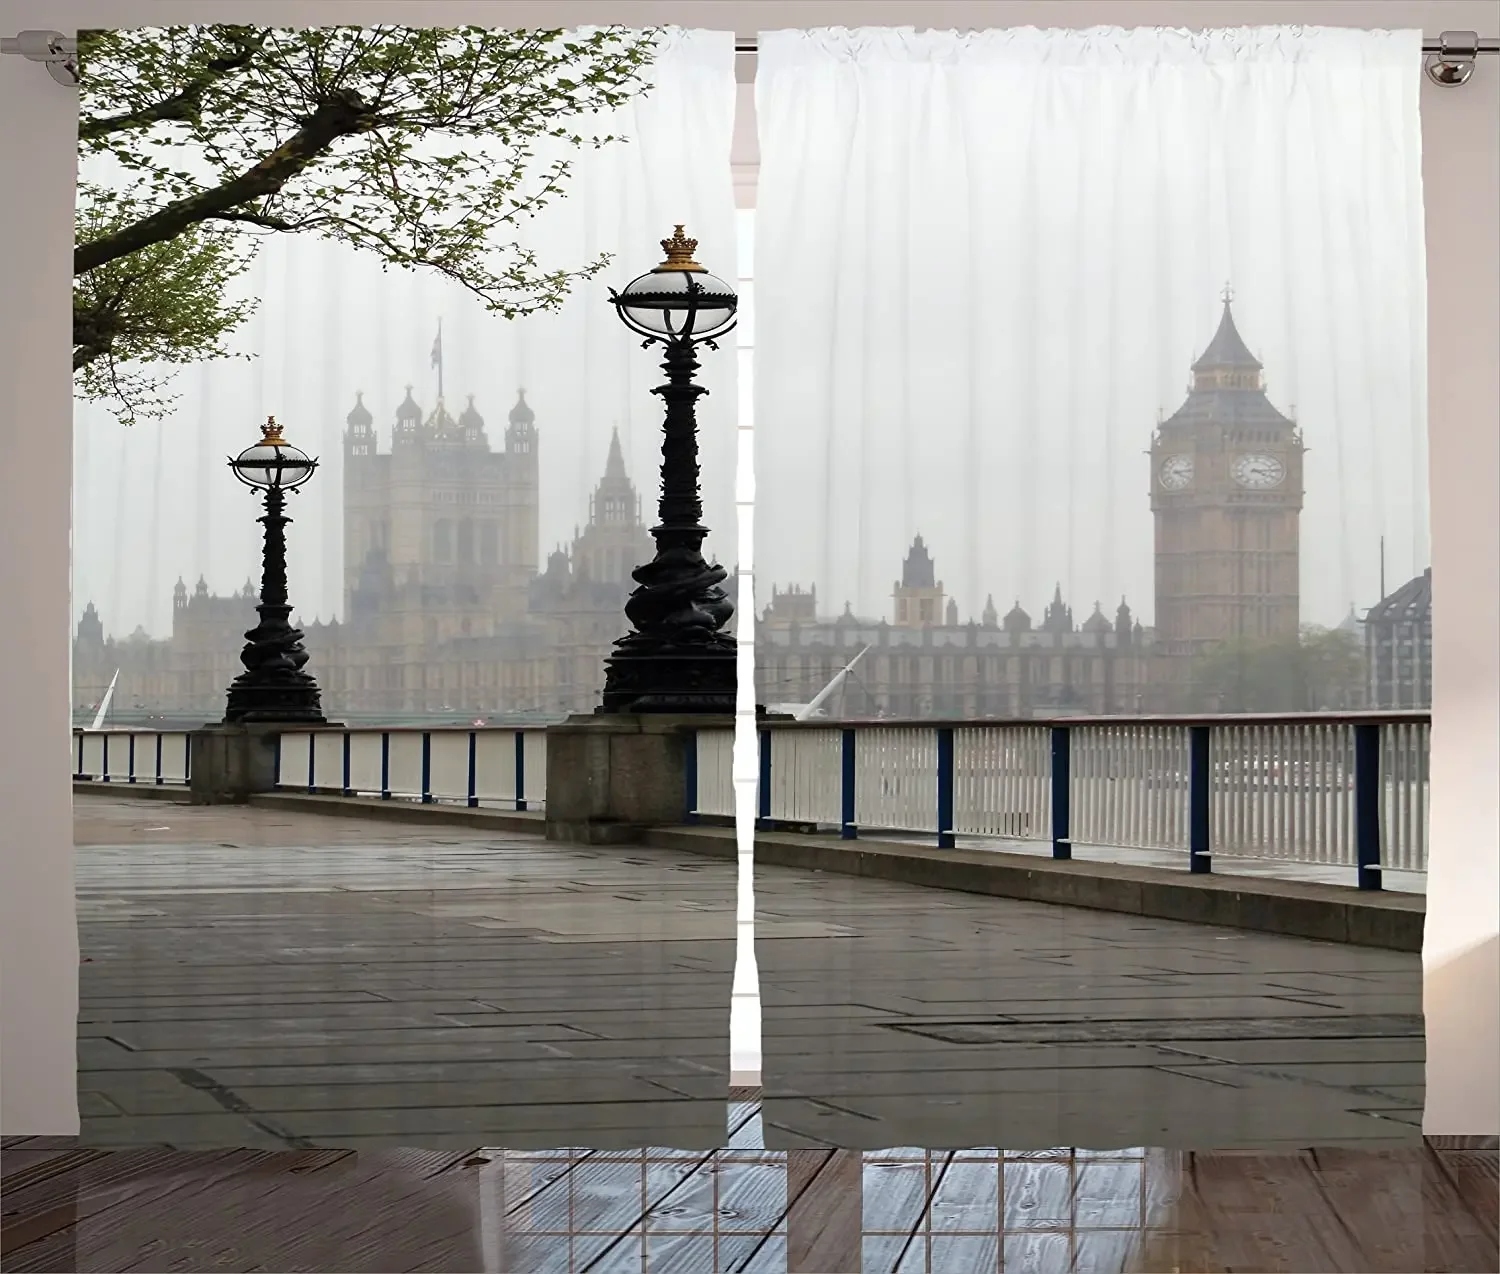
(689, 681)
(292, 704)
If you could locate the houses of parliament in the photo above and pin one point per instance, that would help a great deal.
(449, 609)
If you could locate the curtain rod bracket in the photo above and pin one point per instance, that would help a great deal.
(1452, 62)
(56, 51)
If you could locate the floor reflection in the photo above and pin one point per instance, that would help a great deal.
(749, 1210)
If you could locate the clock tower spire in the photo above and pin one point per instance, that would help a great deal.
(1226, 495)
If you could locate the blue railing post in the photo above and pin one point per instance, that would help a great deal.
(473, 769)
(130, 758)
(78, 773)
(426, 767)
(312, 762)
(276, 764)
(1200, 793)
(763, 790)
(945, 837)
(385, 765)
(104, 763)
(348, 747)
(520, 769)
(1367, 785)
(848, 829)
(160, 780)
(1062, 791)
(690, 777)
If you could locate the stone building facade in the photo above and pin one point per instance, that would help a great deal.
(1398, 646)
(447, 609)
(931, 663)
(1226, 502)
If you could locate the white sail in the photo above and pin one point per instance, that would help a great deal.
(805, 711)
(105, 702)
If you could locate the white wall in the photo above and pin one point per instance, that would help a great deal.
(38, 949)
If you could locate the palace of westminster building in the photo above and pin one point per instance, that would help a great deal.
(449, 609)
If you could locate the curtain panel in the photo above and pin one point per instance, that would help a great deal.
(1089, 381)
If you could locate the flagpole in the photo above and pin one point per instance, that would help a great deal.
(438, 349)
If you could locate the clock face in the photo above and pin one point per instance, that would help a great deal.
(1175, 472)
(1258, 472)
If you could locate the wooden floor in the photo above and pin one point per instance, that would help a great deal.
(743, 1208)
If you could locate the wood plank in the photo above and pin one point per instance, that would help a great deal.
(108, 1214)
(825, 1213)
(29, 1213)
(311, 1210)
(1475, 1178)
(26, 1167)
(1269, 1212)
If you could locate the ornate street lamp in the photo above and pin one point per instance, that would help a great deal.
(676, 658)
(273, 687)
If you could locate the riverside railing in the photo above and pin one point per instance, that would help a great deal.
(493, 766)
(1335, 790)
(490, 766)
(152, 757)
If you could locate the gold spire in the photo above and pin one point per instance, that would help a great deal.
(270, 434)
(679, 249)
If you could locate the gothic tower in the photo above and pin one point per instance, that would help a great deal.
(1226, 494)
(919, 593)
(522, 552)
(615, 541)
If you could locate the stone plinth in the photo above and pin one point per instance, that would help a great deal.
(228, 764)
(612, 776)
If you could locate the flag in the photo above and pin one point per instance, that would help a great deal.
(437, 347)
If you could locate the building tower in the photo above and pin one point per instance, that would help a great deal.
(615, 541)
(1226, 495)
(440, 532)
(367, 524)
(919, 593)
(522, 550)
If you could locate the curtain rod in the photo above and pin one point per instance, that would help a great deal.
(1450, 56)
(1450, 43)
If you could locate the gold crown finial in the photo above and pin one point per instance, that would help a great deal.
(270, 433)
(679, 249)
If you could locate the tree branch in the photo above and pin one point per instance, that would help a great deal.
(183, 105)
(265, 221)
(342, 115)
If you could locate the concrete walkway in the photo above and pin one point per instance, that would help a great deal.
(262, 977)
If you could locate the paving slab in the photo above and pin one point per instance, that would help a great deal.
(272, 978)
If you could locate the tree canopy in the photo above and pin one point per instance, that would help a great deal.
(419, 146)
(1320, 669)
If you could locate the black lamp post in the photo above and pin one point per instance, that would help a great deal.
(273, 687)
(676, 658)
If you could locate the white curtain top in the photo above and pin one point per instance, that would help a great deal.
(1090, 46)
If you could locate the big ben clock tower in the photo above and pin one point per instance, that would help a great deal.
(1226, 492)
